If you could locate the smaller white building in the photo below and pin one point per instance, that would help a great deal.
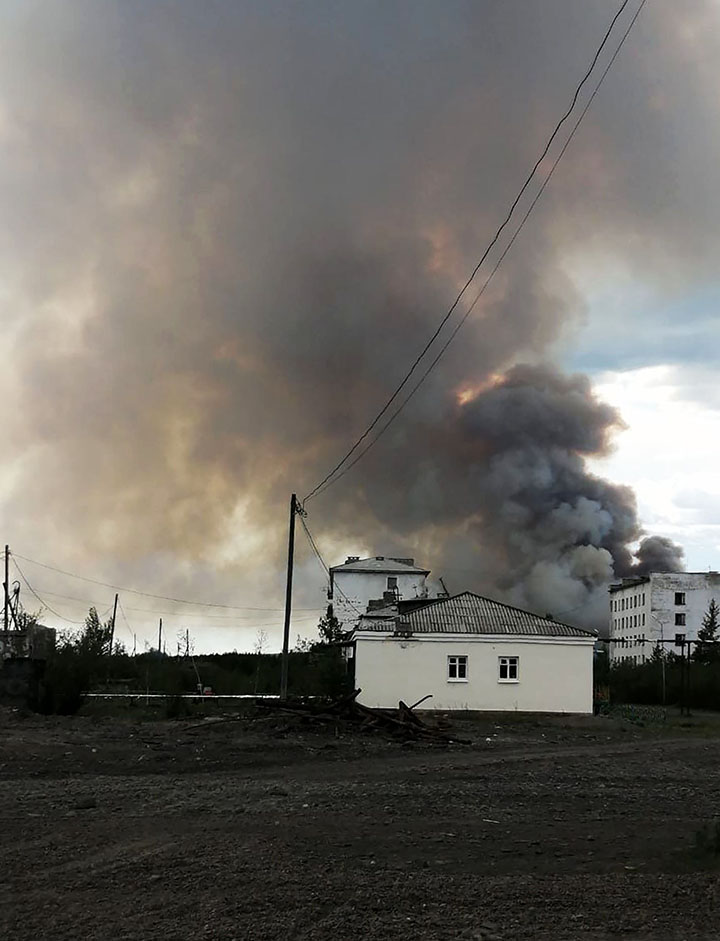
(647, 610)
(472, 653)
(357, 581)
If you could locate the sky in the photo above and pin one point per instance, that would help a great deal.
(229, 228)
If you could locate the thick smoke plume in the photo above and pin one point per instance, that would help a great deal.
(228, 229)
(540, 529)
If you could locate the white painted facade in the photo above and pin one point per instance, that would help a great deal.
(645, 610)
(358, 582)
(554, 674)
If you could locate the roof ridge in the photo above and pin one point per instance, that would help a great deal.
(513, 607)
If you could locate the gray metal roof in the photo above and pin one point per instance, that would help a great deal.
(468, 613)
(382, 565)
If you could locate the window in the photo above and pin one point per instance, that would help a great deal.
(392, 583)
(457, 669)
(508, 669)
(680, 597)
(679, 620)
(643, 619)
(643, 597)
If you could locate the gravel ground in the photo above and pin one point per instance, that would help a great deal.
(544, 828)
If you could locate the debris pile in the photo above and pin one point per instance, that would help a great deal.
(347, 713)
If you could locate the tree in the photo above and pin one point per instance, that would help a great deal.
(93, 642)
(330, 629)
(27, 619)
(707, 649)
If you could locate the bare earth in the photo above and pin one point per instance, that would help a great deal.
(250, 829)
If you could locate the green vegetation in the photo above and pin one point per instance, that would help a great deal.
(82, 664)
(707, 650)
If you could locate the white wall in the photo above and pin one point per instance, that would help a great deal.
(362, 587)
(656, 617)
(556, 675)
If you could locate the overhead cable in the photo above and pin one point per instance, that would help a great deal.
(146, 594)
(324, 564)
(42, 602)
(460, 324)
(330, 477)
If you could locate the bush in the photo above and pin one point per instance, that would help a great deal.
(63, 687)
(176, 707)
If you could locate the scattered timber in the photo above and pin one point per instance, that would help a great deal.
(347, 713)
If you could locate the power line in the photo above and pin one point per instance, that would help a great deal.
(146, 594)
(330, 477)
(43, 603)
(125, 619)
(460, 324)
(324, 564)
(216, 617)
(56, 594)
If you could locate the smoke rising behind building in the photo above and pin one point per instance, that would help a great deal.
(228, 230)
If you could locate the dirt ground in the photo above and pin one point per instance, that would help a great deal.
(543, 828)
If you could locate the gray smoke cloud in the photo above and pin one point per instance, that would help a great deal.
(658, 554)
(229, 228)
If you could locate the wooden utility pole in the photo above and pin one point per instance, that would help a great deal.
(112, 625)
(288, 599)
(160, 638)
(6, 585)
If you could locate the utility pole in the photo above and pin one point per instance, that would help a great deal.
(160, 638)
(6, 586)
(112, 624)
(288, 599)
(134, 644)
(187, 641)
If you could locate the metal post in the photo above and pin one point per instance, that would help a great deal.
(112, 625)
(6, 625)
(662, 648)
(160, 638)
(288, 600)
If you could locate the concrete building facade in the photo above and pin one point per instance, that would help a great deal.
(650, 609)
(355, 583)
(472, 653)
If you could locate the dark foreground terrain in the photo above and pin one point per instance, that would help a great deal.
(251, 829)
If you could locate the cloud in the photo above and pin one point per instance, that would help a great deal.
(228, 230)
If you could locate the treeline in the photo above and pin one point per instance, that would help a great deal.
(691, 678)
(82, 663)
(685, 682)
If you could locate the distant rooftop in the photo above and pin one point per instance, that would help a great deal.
(468, 613)
(380, 564)
(633, 580)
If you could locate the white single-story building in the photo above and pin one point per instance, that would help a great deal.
(470, 652)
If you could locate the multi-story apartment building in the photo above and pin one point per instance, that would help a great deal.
(647, 609)
(358, 581)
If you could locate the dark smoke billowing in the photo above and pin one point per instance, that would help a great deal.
(229, 227)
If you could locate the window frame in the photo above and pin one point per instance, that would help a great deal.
(457, 661)
(394, 587)
(680, 619)
(681, 595)
(510, 660)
